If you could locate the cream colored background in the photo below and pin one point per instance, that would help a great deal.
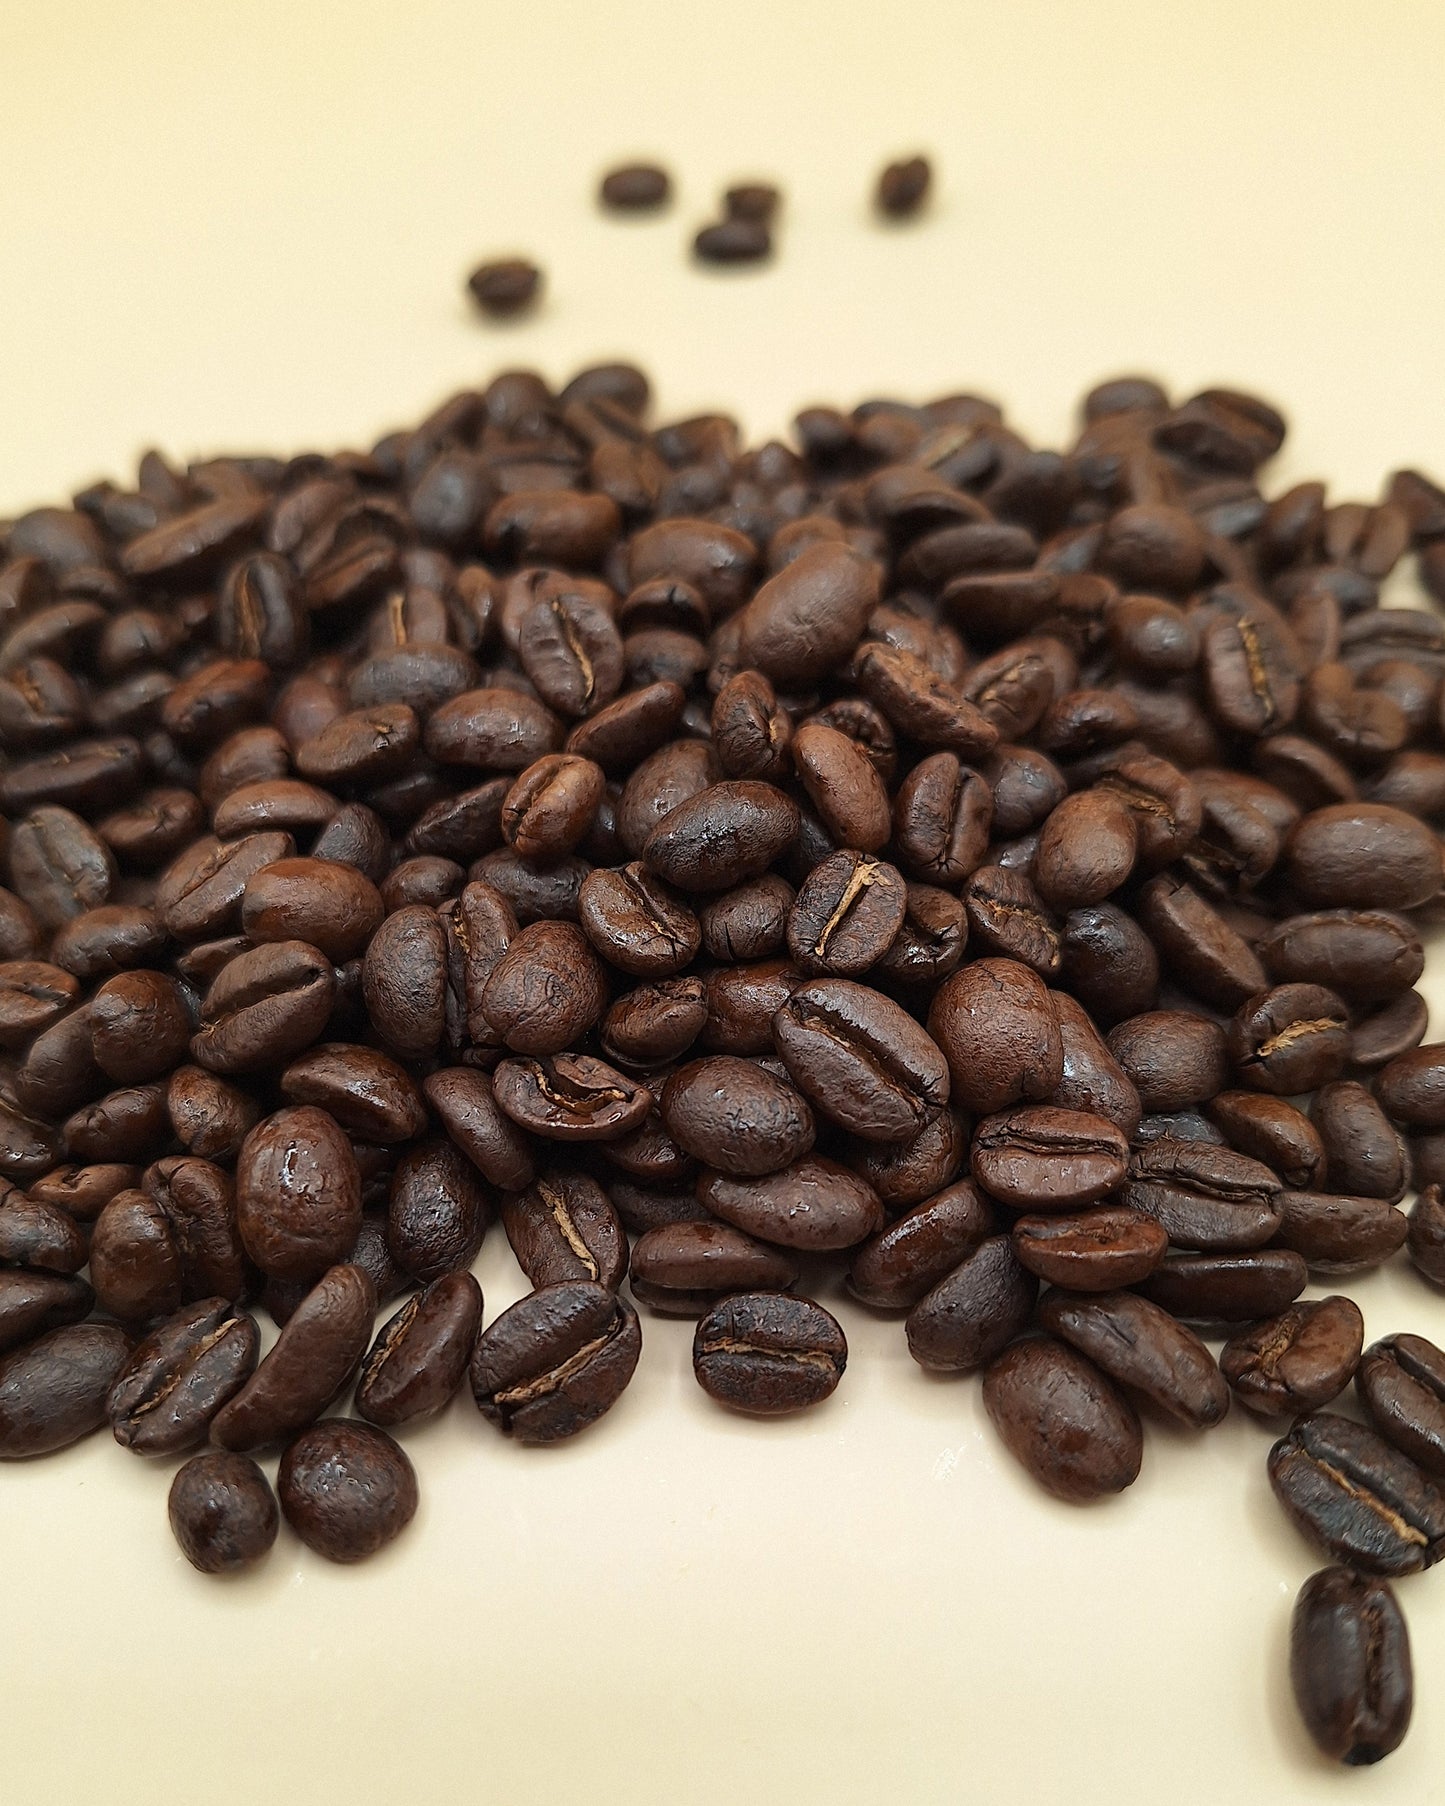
(246, 226)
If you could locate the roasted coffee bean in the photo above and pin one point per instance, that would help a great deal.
(1362, 856)
(861, 1059)
(298, 1193)
(360, 1088)
(53, 1390)
(721, 837)
(308, 1365)
(546, 990)
(553, 1363)
(420, 1355)
(995, 1023)
(1401, 1383)
(1290, 1039)
(135, 1264)
(1206, 955)
(223, 1512)
(59, 865)
(974, 1312)
(1356, 1497)
(209, 1117)
(33, 995)
(813, 1204)
(568, 644)
(139, 1026)
(264, 1005)
(1294, 1363)
(1365, 956)
(1086, 851)
(1094, 1251)
(905, 1173)
(681, 1269)
(334, 908)
(634, 187)
(180, 1376)
(1227, 1288)
(922, 705)
(636, 923)
(847, 914)
(492, 729)
(735, 1115)
(437, 1210)
(1108, 963)
(1007, 917)
(1062, 1420)
(1349, 1661)
(117, 937)
(563, 1228)
(1269, 1129)
(733, 241)
(199, 1202)
(346, 1489)
(902, 1263)
(766, 1353)
(32, 1303)
(570, 1097)
(1366, 1156)
(1144, 1349)
(1204, 1197)
(502, 288)
(1339, 1234)
(550, 807)
(1173, 1059)
(1425, 1237)
(941, 820)
(1041, 1157)
(1093, 1079)
(1411, 1089)
(39, 1236)
(903, 187)
(83, 1192)
(653, 1024)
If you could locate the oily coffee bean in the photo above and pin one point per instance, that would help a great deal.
(814, 1204)
(655, 1023)
(298, 1193)
(749, 923)
(139, 1026)
(847, 914)
(636, 923)
(1007, 917)
(861, 1059)
(307, 1366)
(1108, 963)
(264, 1005)
(899, 1265)
(223, 1512)
(1143, 1348)
(209, 1116)
(564, 1228)
(1062, 1420)
(420, 1355)
(1292, 1364)
(1356, 1497)
(1042, 1157)
(346, 1489)
(1271, 1130)
(1364, 956)
(736, 1115)
(768, 1352)
(332, 907)
(180, 1376)
(1203, 1196)
(135, 1265)
(1411, 1089)
(680, 1269)
(570, 1097)
(1290, 1039)
(1227, 1288)
(1350, 1667)
(904, 1173)
(361, 1089)
(53, 1390)
(1173, 1059)
(1095, 1250)
(39, 1236)
(464, 1105)
(974, 1312)
(845, 790)
(1401, 1383)
(33, 995)
(59, 866)
(721, 837)
(1362, 856)
(198, 1199)
(553, 1363)
(82, 1192)
(1338, 1234)
(997, 1028)
(546, 990)
(32, 1303)
(1425, 1237)
(1365, 1154)
(437, 1210)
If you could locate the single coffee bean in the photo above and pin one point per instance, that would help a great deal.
(564, 1228)
(32, 1303)
(1292, 1364)
(546, 990)
(752, 200)
(83, 1192)
(1172, 1058)
(135, 1265)
(329, 906)
(717, 839)
(1209, 957)
(1269, 1129)
(1108, 963)
(1391, 1030)
(346, 1489)
(974, 1312)
(464, 1105)
(139, 1026)
(1401, 1383)
(265, 1005)
(941, 820)
(360, 1088)
(749, 923)
(1366, 1155)
(1349, 1661)
(1205, 1197)
(767, 1353)
(33, 995)
(570, 1097)
(1425, 1237)
(420, 1355)
(1339, 1234)
(209, 1117)
(180, 1376)
(1290, 1039)
(1092, 1251)
(505, 286)
(553, 1363)
(39, 1236)
(53, 1390)
(814, 1204)
(58, 864)
(1362, 856)
(1144, 1349)
(307, 1366)
(654, 1024)
(1411, 1089)
(551, 806)
(861, 1058)
(1086, 850)
(633, 187)
(847, 914)
(1364, 956)
(437, 1210)
(899, 1265)
(995, 1023)
(905, 1173)
(223, 1512)
(1355, 1497)
(636, 923)
(298, 1193)
(1042, 1157)
(903, 187)
(735, 1115)
(1062, 1420)
(1227, 1288)
(733, 241)
(681, 1269)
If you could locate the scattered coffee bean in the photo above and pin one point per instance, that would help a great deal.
(1356, 1497)
(1062, 1420)
(223, 1512)
(635, 187)
(556, 1361)
(346, 1489)
(903, 187)
(1349, 1658)
(506, 286)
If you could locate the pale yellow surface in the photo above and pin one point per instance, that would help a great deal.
(245, 226)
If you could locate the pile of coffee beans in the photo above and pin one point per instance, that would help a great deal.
(984, 871)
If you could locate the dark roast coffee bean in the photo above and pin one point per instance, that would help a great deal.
(1411, 1088)
(209, 1117)
(198, 896)
(1040, 1157)
(680, 1269)
(331, 907)
(1290, 1039)
(265, 1005)
(1294, 1363)
(135, 1264)
(1204, 953)
(506, 286)
(59, 866)
(904, 1173)
(995, 1023)
(1366, 1156)
(900, 1264)
(843, 786)
(53, 1391)
(1363, 856)
(636, 923)
(33, 995)
(1269, 1129)
(767, 1353)
(83, 1192)
(180, 1376)
(941, 819)
(1425, 1237)
(1401, 1383)
(1062, 1420)
(307, 1366)
(1108, 963)
(1091, 1251)
(1008, 917)
(1357, 1498)
(1364, 956)
(39, 1236)
(32, 1303)
(546, 990)
(364, 1091)
(437, 1210)
(861, 1059)
(463, 1101)
(1086, 850)
(113, 938)
(846, 915)
(199, 1202)
(733, 241)
(492, 729)
(346, 1489)
(964, 1321)
(814, 1204)
(1205, 1197)
(636, 186)
(1144, 1349)
(653, 1024)
(1227, 1288)
(1349, 1660)
(1173, 1059)
(298, 1193)
(223, 1512)
(903, 187)
(728, 833)
(556, 1361)
(570, 1097)
(139, 1026)
(563, 1228)
(420, 1355)
(1339, 1234)
(735, 1115)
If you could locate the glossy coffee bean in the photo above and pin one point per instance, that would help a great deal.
(1337, 1234)
(1271, 1130)
(1356, 1497)
(1204, 1196)
(1227, 1288)
(1062, 1420)
(1144, 1349)
(847, 914)
(1401, 1383)
(861, 1058)
(366, 1093)
(736, 1116)
(222, 1512)
(1043, 1158)
(814, 1204)
(437, 1210)
(1290, 1039)
(346, 1489)
(180, 1376)
(1425, 1237)
(1292, 1364)
(1364, 1153)
(723, 836)
(556, 1361)
(1095, 1250)
(570, 1097)
(40, 1236)
(546, 990)
(680, 1269)
(564, 1228)
(1411, 1089)
(974, 1312)
(298, 1193)
(264, 1005)
(1350, 1667)
(894, 1269)
(636, 923)
(135, 1264)
(767, 1353)
(32, 1303)
(53, 1390)
(996, 1026)
(1173, 1059)
(420, 1354)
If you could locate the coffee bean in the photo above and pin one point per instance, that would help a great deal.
(506, 286)
(360, 1088)
(903, 187)
(767, 1353)
(1173, 1059)
(1143, 1348)
(306, 1368)
(346, 1489)
(1273, 1131)
(1091, 1251)
(846, 915)
(334, 908)
(680, 1269)
(1205, 1197)
(974, 1312)
(39, 1236)
(53, 1390)
(59, 865)
(899, 1265)
(563, 1228)
(209, 1116)
(1425, 1237)
(1062, 1420)
(463, 1101)
(736, 1116)
(1357, 1498)
(180, 1376)
(633, 187)
(813, 1204)
(1364, 956)
(83, 1192)
(1108, 963)
(1340, 1234)
(904, 1173)
(33, 995)
(941, 820)
(861, 1059)
(1362, 856)
(733, 241)
(553, 1363)
(1204, 953)
(1290, 1039)
(570, 1097)
(1350, 1666)
(264, 1005)
(437, 1210)
(1365, 1154)
(1411, 1089)
(752, 200)
(636, 923)
(546, 990)
(1227, 1288)
(32, 1303)
(135, 1265)
(1042, 1157)
(728, 833)
(996, 1026)
(420, 1355)
(1294, 1363)
(222, 1512)
(1401, 1383)
(1086, 851)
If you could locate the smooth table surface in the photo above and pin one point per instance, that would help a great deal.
(246, 227)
